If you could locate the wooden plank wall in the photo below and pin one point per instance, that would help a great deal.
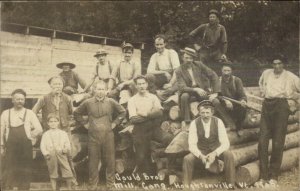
(28, 61)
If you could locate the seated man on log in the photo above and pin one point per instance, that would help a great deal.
(197, 81)
(277, 86)
(232, 87)
(124, 72)
(145, 112)
(208, 142)
(160, 71)
(71, 78)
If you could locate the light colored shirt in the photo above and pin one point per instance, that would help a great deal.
(284, 85)
(32, 125)
(55, 140)
(190, 70)
(143, 104)
(104, 70)
(193, 137)
(125, 71)
(167, 61)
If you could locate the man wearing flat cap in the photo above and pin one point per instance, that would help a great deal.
(232, 87)
(277, 85)
(71, 78)
(124, 72)
(103, 69)
(208, 142)
(198, 82)
(210, 40)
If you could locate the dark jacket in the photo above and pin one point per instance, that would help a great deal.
(205, 78)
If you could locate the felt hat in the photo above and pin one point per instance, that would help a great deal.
(189, 51)
(60, 65)
(100, 52)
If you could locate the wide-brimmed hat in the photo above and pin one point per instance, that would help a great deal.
(60, 65)
(214, 11)
(100, 52)
(189, 51)
(206, 103)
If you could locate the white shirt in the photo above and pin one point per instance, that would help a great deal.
(32, 125)
(190, 70)
(284, 85)
(193, 137)
(55, 140)
(165, 61)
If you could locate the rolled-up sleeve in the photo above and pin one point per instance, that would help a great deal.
(131, 108)
(152, 64)
(174, 59)
(35, 123)
(193, 140)
(223, 138)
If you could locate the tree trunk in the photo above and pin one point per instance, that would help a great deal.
(250, 153)
(249, 173)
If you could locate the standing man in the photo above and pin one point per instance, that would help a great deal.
(100, 111)
(103, 69)
(210, 40)
(55, 102)
(19, 126)
(277, 85)
(232, 87)
(124, 73)
(208, 142)
(145, 112)
(197, 81)
(160, 71)
(71, 78)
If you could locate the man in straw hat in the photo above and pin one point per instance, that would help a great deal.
(124, 72)
(208, 142)
(210, 40)
(71, 78)
(197, 81)
(103, 69)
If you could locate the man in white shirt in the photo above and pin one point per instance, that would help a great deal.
(208, 142)
(19, 127)
(277, 86)
(160, 71)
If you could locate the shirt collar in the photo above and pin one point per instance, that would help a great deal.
(147, 94)
(163, 53)
(54, 94)
(206, 123)
(98, 100)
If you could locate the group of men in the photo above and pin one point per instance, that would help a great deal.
(193, 79)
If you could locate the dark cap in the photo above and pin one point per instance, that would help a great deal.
(214, 11)
(205, 103)
(279, 58)
(60, 65)
(19, 91)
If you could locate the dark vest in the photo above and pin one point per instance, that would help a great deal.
(63, 111)
(207, 145)
(70, 79)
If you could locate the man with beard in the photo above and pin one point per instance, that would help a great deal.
(232, 87)
(197, 81)
(210, 40)
(19, 126)
(124, 73)
(71, 78)
(100, 111)
(145, 112)
(277, 86)
(160, 71)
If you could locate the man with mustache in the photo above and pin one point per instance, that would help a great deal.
(232, 87)
(19, 126)
(101, 144)
(124, 73)
(198, 82)
(210, 40)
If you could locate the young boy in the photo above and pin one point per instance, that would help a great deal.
(56, 148)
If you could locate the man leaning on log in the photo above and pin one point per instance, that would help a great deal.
(197, 81)
(208, 142)
(277, 86)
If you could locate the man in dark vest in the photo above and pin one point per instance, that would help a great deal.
(210, 40)
(232, 87)
(208, 142)
(71, 78)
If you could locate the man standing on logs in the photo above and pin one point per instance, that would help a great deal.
(100, 111)
(160, 71)
(197, 81)
(210, 40)
(19, 126)
(145, 112)
(232, 87)
(208, 142)
(71, 78)
(124, 73)
(277, 86)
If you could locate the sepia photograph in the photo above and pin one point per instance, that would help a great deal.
(149, 95)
